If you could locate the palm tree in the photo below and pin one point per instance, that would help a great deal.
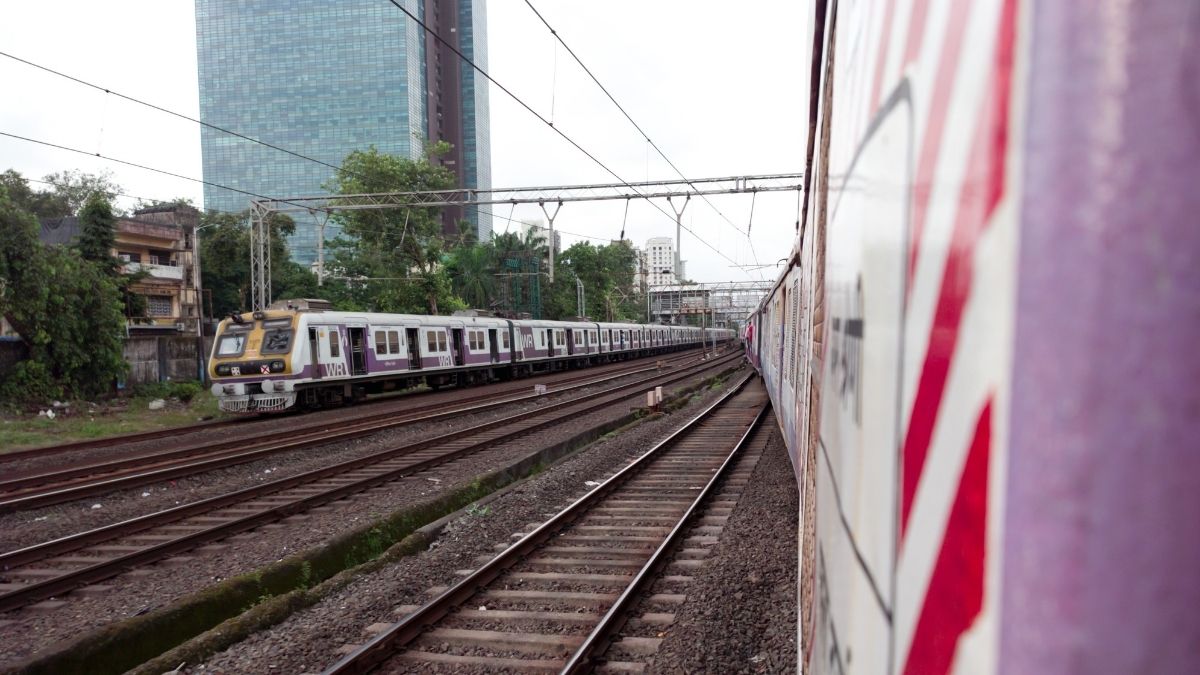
(472, 272)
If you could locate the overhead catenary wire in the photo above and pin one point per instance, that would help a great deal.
(637, 126)
(147, 168)
(168, 111)
(547, 122)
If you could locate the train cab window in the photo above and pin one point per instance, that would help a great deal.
(393, 342)
(232, 343)
(335, 344)
(277, 341)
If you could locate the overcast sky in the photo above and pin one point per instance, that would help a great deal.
(714, 84)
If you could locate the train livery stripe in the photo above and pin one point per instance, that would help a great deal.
(982, 188)
(935, 127)
(955, 595)
(889, 11)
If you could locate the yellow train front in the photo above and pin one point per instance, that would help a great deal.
(255, 362)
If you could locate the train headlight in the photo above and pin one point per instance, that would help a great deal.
(268, 386)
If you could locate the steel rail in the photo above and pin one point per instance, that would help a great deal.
(142, 436)
(599, 640)
(385, 644)
(28, 492)
(108, 568)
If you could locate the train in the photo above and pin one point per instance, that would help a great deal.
(301, 354)
(982, 349)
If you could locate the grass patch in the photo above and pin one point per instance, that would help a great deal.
(83, 421)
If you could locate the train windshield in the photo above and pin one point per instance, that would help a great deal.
(233, 341)
(278, 336)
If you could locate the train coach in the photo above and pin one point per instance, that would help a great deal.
(305, 355)
(982, 349)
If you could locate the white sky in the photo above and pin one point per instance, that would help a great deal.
(714, 84)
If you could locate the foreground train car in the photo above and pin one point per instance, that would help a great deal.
(271, 361)
(983, 354)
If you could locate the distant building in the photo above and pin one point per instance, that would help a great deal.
(159, 241)
(541, 234)
(325, 78)
(660, 261)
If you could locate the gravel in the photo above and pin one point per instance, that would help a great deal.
(740, 612)
(309, 640)
(158, 585)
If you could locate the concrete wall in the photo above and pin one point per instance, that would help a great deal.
(159, 359)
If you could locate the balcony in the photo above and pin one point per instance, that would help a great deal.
(155, 271)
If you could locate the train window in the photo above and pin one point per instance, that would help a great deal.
(441, 338)
(558, 337)
(277, 341)
(335, 344)
(380, 342)
(393, 342)
(504, 339)
(231, 345)
(431, 339)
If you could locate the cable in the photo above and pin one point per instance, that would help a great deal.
(636, 126)
(550, 124)
(169, 112)
(149, 168)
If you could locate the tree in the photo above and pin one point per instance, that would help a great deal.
(66, 309)
(472, 272)
(225, 261)
(394, 257)
(97, 231)
(607, 276)
(65, 195)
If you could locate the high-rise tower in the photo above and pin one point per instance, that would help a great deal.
(324, 78)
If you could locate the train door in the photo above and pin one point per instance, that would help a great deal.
(456, 345)
(494, 345)
(414, 348)
(549, 342)
(314, 352)
(330, 360)
(571, 341)
(358, 354)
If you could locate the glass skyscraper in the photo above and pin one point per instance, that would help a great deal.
(324, 78)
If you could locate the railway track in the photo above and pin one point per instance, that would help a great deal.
(560, 597)
(48, 570)
(45, 488)
(202, 427)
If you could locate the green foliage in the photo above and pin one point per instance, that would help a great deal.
(472, 269)
(65, 196)
(390, 260)
(225, 262)
(97, 232)
(66, 309)
(183, 390)
(608, 281)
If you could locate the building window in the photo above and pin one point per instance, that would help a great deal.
(158, 305)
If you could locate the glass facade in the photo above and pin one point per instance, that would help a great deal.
(477, 171)
(318, 78)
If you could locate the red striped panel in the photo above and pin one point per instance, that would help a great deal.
(982, 188)
(955, 595)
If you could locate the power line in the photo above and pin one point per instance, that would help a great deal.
(146, 168)
(636, 126)
(167, 111)
(548, 123)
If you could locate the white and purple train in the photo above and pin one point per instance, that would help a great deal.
(985, 350)
(271, 361)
